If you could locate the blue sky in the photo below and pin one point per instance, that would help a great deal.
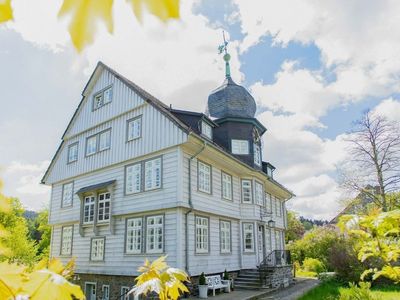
(313, 69)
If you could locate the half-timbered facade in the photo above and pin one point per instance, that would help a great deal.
(135, 179)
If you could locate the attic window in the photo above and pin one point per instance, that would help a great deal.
(206, 130)
(240, 147)
(102, 98)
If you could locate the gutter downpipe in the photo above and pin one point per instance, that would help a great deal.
(191, 207)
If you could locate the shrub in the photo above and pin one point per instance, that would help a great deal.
(226, 275)
(344, 262)
(361, 292)
(202, 279)
(313, 265)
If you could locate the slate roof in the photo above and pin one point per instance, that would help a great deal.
(95, 186)
(231, 100)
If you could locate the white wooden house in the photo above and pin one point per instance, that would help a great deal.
(135, 179)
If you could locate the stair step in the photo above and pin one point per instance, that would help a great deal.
(245, 279)
(247, 283)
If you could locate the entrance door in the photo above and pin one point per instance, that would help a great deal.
(261, 243)
(90, 291)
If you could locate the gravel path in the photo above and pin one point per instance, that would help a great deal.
(294, 292)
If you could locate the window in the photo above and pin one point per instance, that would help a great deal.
(152, 172)
(226, 186)
(105, 140)
(134, 236)
(106, 292)
(268, 204)
(257, 155)
(246, 191)
(67, 194)
(124, 292)
(278, 240)
(107, 95)
(259, 193)
(278, 207)
(91, 145)
(102, 98)
(88, 210)
(225, 236)
(66, 240)
(133, 179)
(90, 291)
(134, 129)
(240, 147)
(72, 153)
(155, 235)
(206, 130)
(248, 233)
(104, 207)
(204, 177)
(201, 235)
(97, 249)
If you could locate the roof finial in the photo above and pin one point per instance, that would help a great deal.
(227, 57)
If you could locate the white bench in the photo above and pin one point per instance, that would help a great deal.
(215, 282)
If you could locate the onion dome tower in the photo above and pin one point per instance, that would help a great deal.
(233, 108)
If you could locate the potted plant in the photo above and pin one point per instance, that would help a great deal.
(226, 277)
(203, 287)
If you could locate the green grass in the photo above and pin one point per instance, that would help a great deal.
(330, 291)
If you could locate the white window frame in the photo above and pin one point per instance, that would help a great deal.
(91, 209)
(97, 248)
(240, 147)
(95, 289)
(246, 198)
(67, 235)
(124, 290)
(134, 128)
(206, 129)
(153, 174)
(107, 146)
(257, 154)
(202, 234)
(204, 177)
(245, 232)
(65, 187)
(227, 186)
(259, 193)
(156, 227)
(94, 151)
(134, 236)
(70, 158)
(225, 232)
(278, 207)
(103, 203)
(101, 95)
(105, 296)
(133, 182)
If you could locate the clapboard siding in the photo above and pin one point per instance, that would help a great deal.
(124, 99)
(115, 261)
(214, 261)
(158, 132)
(121, 203)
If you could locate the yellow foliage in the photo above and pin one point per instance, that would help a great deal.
(5, 11)
(164, 9)
(85, 14)
(159, 278)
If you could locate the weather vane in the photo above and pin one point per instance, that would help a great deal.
(227, 57)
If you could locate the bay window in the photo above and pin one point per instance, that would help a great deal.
(88, 209)
(103, 207)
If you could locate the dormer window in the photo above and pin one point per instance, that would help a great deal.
(102, 98)
(240, 147)
(257, 155)
(206, 130)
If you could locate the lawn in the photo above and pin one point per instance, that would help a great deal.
(330, 291)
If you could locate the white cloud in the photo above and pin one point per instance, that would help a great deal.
(389, 108)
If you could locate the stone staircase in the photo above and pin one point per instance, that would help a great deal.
(248, 279)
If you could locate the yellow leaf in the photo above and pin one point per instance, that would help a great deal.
(6, 12)
(85, 14)
(11, 278)
(163, 9)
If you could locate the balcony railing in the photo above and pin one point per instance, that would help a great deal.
(277, 258)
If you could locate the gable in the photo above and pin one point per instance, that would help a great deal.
(128, 100)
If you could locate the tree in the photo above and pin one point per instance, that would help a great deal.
(44, 230)
(374, 150)
(23, 248)
(295, 228)
(378, 241)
